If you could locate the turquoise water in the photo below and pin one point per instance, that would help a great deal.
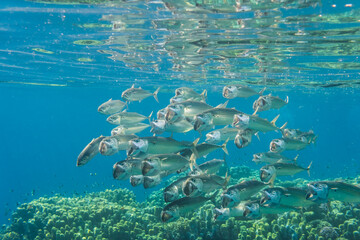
(59, 62)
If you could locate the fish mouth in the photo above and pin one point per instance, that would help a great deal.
(264, 175)
(170, 114)
(117, 170)
(275, 146)
(136, 180)
(236, 120)
(309, 196)
(149, 182)
(177, 92)
(146, 168)
(241, 142)
(169, 197)
(103, 148)
(165, 216)
(263, 200)
(198, 123)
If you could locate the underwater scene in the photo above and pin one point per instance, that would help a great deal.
(180, 119)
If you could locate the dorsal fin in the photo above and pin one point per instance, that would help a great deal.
(124, 110)
(133, 86)
(287, 99)
(223, 105)
(275, 119)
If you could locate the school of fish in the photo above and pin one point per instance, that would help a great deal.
(151, 159)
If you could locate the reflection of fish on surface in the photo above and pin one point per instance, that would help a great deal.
(138, 94)
(323, 191)
(184, 205)
(89, 151)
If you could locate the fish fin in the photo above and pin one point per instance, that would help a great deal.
(272, 180)
(150, 115)
(227, 180)
(155, 94)
(222, 105)
(125, 110)
(257, 135)
(262, 91)
(226, 126)
(283, 126)
(192, 162)
(308, 168)
(257, 108)
(287, 99)
(295, 159)
(223, 146)
(204, 93)
(275, 119)
(205, 156)
(133, 86)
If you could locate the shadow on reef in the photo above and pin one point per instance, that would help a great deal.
(114, 214)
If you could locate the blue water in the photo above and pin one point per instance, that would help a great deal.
(44, 128)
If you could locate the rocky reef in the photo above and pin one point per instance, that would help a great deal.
(114, 214)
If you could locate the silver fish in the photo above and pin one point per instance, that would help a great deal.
(161, 126)
(291, 196)
(126, 118)
(296, 134)
(174, 190)
(254, 210)
(270, 157)
(240, 192)
(159, 145)
(208, 167)
(269, 172)
(243, 137)
(124, 169)
(223, 214)
(129, 129)
(161, 114)
(190, 93)
(187, 109)
(238, 90)
(155, 164)
(202, 184)
(89, 151)
(222, 134)
(213, 117)
(111, 107)
(282, 144)
(268, 102)
(136, 180)
(246, 121)
(111, 145)
(138, 94)
(323, 191)
(181, 206)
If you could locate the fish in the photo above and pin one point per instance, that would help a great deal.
(208, 167)
(213, 117)
(161, 114)
(240, 192)
(223, 214)
(122, 170)
(270, 157)
(159, 145)
(269, 172)
(129, 129)
(267, 102)
(238, 90)
(243, 137)
(174, 190)
(254, 122)
(323, 191)
(89, 152)
(187, 92)
(126, 118)
(111, 145)
(202, 184)
(155, 164)
(152, 181)
(138, 94)
(282, 144)
(296, 134)
(204, 149)
(136, 180)
(111, 107)
(161, 126)
(254, 210)
(180, 99)
(187, 109)
(181, 206)
(222, 134)
(291, 196)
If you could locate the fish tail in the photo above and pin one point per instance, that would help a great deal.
(283, 126)
(204, 94)
(262, 91)
(155, 94)
(287, 99)
(193, 149)
(223, 147)
(295, 159)
(257, 135)
(308, 168)
(192, 162)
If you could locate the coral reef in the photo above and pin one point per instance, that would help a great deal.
(114, 214)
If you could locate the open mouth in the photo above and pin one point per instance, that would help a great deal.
(264, 175)
(226, 93)
(198, 123)
(309, 196)
(165, 216)
(189, 188)
(226, 201)
(146, 168)
(274, 146)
